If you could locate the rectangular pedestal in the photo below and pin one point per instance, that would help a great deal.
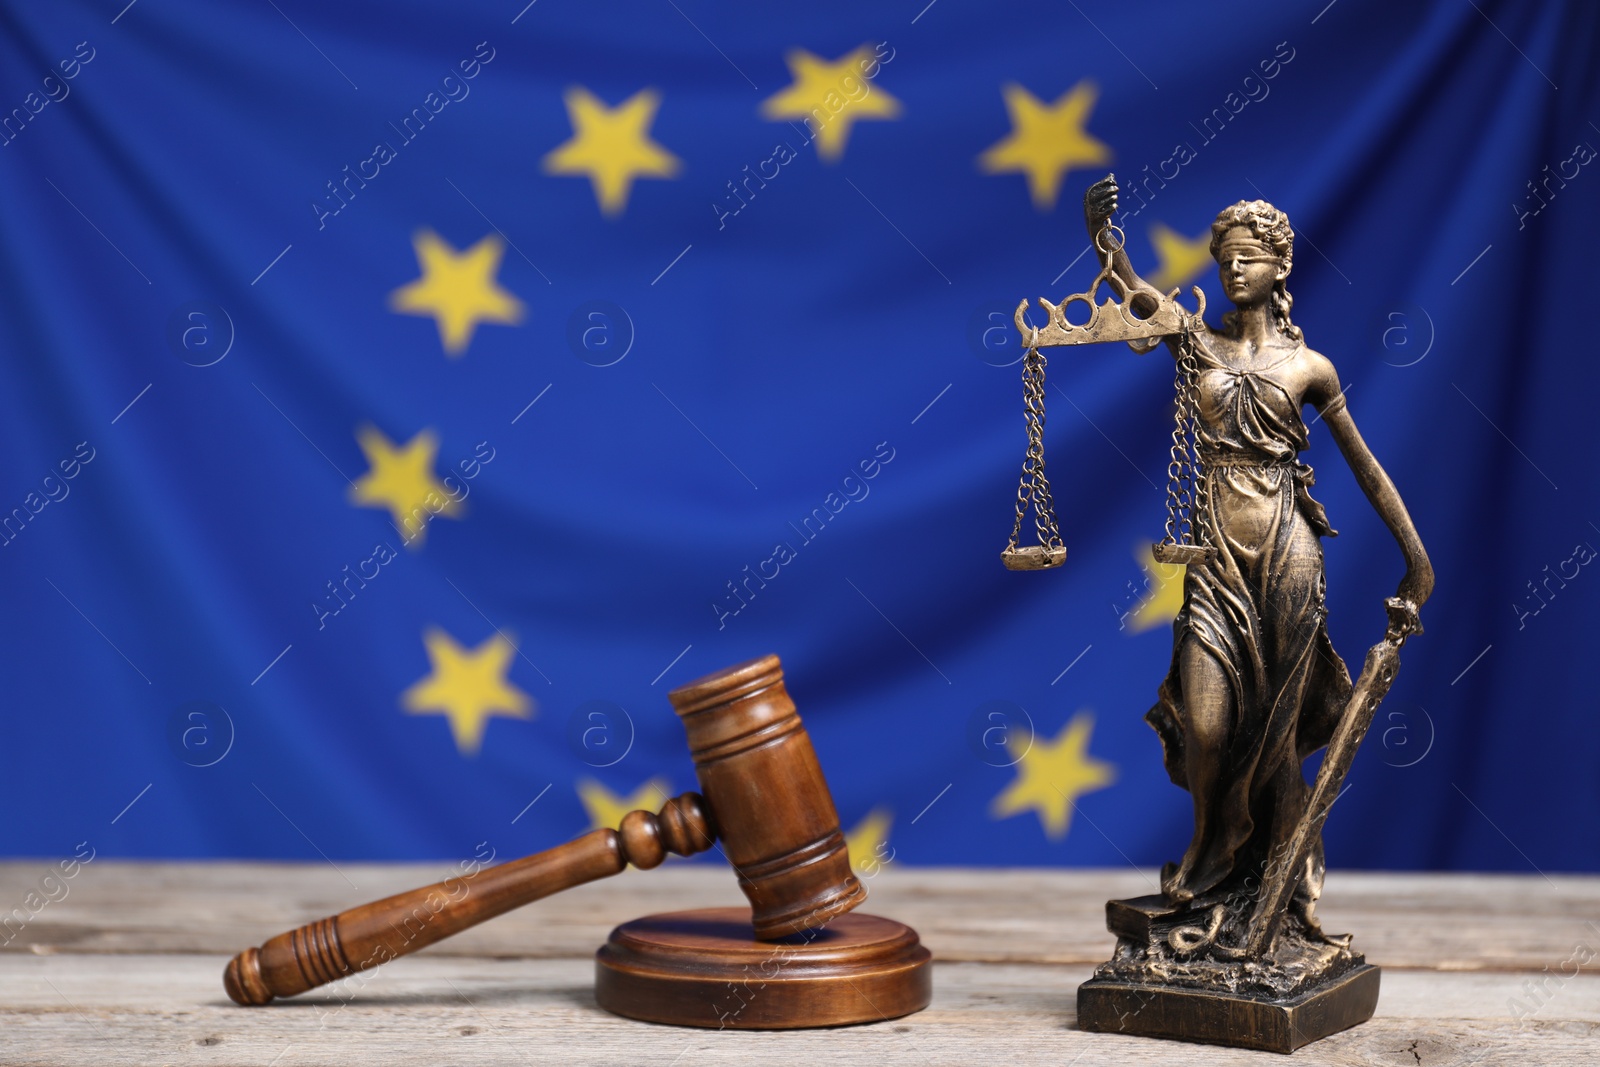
(1228, 1018)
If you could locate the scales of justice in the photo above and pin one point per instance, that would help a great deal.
(1230, 951)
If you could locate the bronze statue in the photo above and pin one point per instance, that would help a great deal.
(1231, 950)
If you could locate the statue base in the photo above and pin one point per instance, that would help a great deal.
(1218, 1018)
(1171, 977)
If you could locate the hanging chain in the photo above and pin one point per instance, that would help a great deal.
(1200, 513)
(1034, 486)
(1187, 495)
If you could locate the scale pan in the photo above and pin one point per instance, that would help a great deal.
(1182, 554)
(1034, 557)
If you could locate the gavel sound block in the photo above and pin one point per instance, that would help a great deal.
(793, 959)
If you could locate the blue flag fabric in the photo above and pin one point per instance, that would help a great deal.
(398, 401)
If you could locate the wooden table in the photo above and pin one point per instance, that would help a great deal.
(126, 969)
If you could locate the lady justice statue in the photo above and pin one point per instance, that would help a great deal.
(1231, 950)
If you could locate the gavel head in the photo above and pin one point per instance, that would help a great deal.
(774, 815)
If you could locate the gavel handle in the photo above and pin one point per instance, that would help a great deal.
(354, 940)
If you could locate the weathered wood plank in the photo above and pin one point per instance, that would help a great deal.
(1444, 922)
(144, 1009)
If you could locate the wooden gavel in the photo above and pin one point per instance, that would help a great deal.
(762, 795)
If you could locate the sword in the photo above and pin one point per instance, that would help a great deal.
(1377, 675)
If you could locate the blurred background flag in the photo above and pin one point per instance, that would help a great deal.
(398, 401)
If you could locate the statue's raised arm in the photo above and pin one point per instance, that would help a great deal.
(1099, 209)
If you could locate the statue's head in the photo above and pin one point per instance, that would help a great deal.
(1253, 245)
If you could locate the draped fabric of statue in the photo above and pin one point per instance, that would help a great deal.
(1258, 609)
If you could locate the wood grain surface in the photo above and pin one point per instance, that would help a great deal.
(127, 970)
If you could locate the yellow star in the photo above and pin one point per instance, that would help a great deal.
(822, 94)
(606, 808)
(457, 288)
(1182, 260)
(869, 843)
(1051, 775)
(1165, 597)
(612, 145)
(1046, 140)
(468, 687)
(401, 479)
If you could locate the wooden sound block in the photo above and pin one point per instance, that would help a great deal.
(705, 968)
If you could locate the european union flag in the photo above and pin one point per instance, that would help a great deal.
(398, 401)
